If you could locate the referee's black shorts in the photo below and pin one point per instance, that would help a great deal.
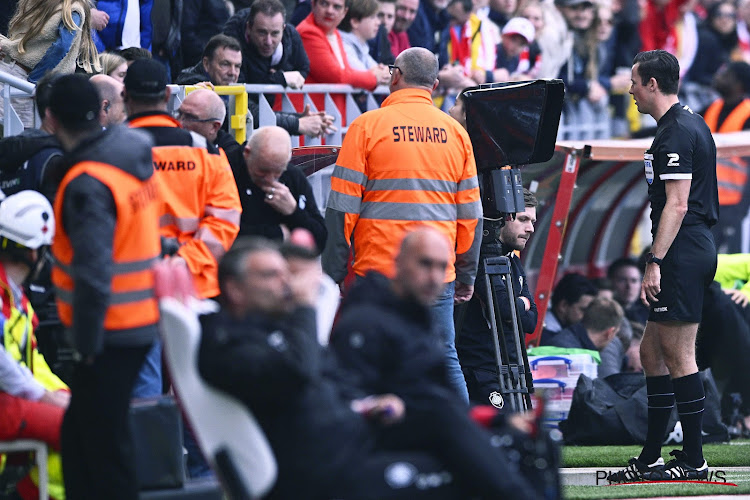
(687, 270)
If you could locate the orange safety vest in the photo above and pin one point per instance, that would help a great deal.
(200, 206)
(401, 166)
(135, 248)
(731, 173)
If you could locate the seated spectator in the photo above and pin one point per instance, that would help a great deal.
(380, 46)
(626, 278)
(46, 36)
(323, 43)
(113, 65)
(501, 11)
(429, 27)
(110, 95)
(276, 198)
(360, 25)
(571, 296)
(272, 51)
(201, 19)
(597, 329)
(513, 53)
(262, 348)
(221, 65)
(625, 333)
(472, 43)
(406, 13)
(32, 398)
(633, 353)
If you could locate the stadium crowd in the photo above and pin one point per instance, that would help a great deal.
(111, 182)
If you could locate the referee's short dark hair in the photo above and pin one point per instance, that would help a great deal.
(661, 66)
(220, 41)
(571, 288)
(602, 314)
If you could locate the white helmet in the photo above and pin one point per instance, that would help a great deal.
(27, 218)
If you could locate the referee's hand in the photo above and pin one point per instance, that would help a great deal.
(651, 284)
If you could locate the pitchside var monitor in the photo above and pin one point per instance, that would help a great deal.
(514, 123)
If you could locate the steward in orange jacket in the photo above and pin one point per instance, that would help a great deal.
(200, 208)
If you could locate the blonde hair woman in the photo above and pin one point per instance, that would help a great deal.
(44, 36)
(113, 65)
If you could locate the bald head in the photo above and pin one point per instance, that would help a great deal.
(418, 68)
(266, 155)
(110, 91)
(203, 112)
(421, 263)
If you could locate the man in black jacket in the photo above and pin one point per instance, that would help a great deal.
(262, 348)
(474, 343)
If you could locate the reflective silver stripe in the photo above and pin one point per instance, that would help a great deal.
(212, 242)
(730, 187)
(344, 202)
(133, 266)
(350, 175)
(469, 183)
(408, 211)
(115, 298)
(119, 298)
(471, 210)
(227, 214)
(411, 185)
(184, 224)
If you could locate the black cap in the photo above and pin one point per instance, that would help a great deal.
(146, 78)
(74, 101)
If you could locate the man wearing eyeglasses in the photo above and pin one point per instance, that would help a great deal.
(405, 165)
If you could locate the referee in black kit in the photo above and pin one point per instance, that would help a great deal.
(681, 174)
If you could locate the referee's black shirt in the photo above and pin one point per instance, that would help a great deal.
(683, 149)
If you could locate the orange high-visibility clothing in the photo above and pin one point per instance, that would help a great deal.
(731, 173)
(135, 248)
(401, 166)
(200, 204)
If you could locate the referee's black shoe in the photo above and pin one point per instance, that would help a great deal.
(634, 471)
(678, 470)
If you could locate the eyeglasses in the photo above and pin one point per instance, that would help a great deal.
(391, 67)
(189, 117)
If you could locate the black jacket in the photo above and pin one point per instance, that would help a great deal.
(474, 342)
(259, 218)
(201, 19)
(573, 337)
(274, 367)
(26, 159)
(89, 216)
(386, 344)
(258, 69)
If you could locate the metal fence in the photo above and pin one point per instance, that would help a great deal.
(14, 87)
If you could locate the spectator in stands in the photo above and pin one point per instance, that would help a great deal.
(380, 46)
(743, 33)
(617, 349)
(132, 54)
(475, 344)
(203, 112)
(633, 353)
(501, 11)
(360, 24)
(104, 217)
(130, 24)
(201, 19)
(428, 29)
(626, 277)
(272, 51)
(32, 398)
(471, 42)
(276, 197)
(110, 95)
(113, 65)
(322, 42)
(612, 80)
(513, 55)
(406, 12)
(44, 36)
(33, 157)
(326, 445)
(555, 41)
(595, 331)
(570, 298)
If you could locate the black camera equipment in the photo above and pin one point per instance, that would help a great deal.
(510, 125)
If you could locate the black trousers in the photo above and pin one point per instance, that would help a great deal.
(97, 450)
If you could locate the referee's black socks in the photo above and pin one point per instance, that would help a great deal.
(660, 403)
(690, 397)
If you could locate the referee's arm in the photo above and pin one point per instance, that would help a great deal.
(677, 191)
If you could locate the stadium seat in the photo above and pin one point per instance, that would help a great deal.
(227, 433)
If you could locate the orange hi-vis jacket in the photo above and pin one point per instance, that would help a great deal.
(200, 204)
(404, 165)
(731, 173)
(135, 248)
